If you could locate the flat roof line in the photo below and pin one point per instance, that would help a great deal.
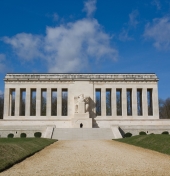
(76, 73)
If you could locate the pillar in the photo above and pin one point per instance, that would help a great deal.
(59, 102)
(48, 113)
(124, 102)
(17, 101)
(7, 106)
(113, 102)
(134, 102)
(94, 100)
(27, 103)
(155, 104)
(38, 101)
(103, 102)
(144, 102)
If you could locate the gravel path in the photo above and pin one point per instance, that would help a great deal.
(92, 158)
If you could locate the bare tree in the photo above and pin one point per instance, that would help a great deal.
(54, 106)
(64, 103)
(43, 106)
(118, 103)
(149, 98)
(98, 106)
(164, 108)
(1, 105)
(22, 112)
(129, 103)
(33, 106)
(139, 102)
(108, 103)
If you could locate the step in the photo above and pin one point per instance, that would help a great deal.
(82, 133)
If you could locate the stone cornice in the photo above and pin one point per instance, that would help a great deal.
(81, 77)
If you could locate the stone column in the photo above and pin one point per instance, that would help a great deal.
(27, 103)
(38, 101)
(17, 101)
(10, 101)
(144, 102)
(103, 102)
(7, 102)
(124, 102)
(113, 102)
(134, 102)
(59, 102)
(94, 99)
(48, 102)
(155, 106)
(69, 103)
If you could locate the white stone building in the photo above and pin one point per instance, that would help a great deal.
(128, 102)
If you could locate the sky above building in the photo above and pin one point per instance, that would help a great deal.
(64, 36)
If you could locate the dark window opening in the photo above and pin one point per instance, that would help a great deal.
(139, 102)
(119, 101)
(64, 102)
(54, 102)
(129, 102)
(108, 102)
(98, 102)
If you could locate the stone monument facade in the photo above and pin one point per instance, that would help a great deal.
(93, 100)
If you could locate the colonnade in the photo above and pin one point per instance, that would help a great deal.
(134, 104)
(8, 101)
(144, 99)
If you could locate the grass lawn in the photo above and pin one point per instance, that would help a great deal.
(14, 150)
(157, 142)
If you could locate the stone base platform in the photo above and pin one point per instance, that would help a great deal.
(83, 134)
(118, 127)
(81, 119)
(46, 131)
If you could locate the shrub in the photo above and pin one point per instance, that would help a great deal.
(152, 134)
(37, 134)
(142, 133)
(165, 132)
(10, 135)
(127, 135)
(23, 135)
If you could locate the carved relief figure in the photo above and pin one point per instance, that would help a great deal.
(86, 104)
(80, 99)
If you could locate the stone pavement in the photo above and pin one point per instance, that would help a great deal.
(93, 157)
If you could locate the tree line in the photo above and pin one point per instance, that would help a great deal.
(1, 105)
(164, 107)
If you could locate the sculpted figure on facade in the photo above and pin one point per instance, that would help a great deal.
(81, 101)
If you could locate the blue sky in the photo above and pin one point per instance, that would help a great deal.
(93, 36)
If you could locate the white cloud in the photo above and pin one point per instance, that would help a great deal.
(132, 18)
(2, 57)
(157, 4)
(124, 35)
(55, 17)
(159, 32)
(90, 7)
(71, 47)
(25, 45)
(2, 63)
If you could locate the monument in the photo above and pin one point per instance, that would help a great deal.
(124, 101)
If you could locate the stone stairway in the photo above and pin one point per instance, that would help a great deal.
(82, 133)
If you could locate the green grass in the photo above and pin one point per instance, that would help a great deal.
(157, 142)
(14, 150)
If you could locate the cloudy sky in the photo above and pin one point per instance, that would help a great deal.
(76, 36)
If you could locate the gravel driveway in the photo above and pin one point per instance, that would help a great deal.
(97, 157)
